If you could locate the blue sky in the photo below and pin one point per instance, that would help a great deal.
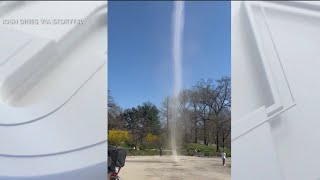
(140, 66)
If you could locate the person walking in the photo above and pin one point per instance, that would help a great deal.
(223, 156)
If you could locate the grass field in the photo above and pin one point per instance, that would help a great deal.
(187, 150)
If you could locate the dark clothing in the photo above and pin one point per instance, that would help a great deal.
(116, 158)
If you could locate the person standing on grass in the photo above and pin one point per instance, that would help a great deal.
(223, 156)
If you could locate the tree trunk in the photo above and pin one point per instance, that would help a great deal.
(168, 119)
(195, 135)
(205, 132)
(185, 133)
(195, 127)
(167, 126)
(223, 143)
(217, 141)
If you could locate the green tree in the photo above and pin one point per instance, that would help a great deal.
(141, 120)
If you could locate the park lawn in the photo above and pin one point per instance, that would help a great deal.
(188, 150)
(204, 150)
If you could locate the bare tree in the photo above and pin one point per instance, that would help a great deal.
(226, 127)
(221, 100)
(184, 112)
(114, 111)
(203, 115)
(165, 113)
(195, 110)
(204, 89)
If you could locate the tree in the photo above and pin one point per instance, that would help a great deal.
(185, 112)
(166, 113)
(113, 108)
(116, 137)
(195, 110)
(152, 140)
(150, 116)
(202, 115)
(221, 102)
(204, 91)
(132, 124)
(226, 127)
(142, 120)
(222, 95)
(114, 112)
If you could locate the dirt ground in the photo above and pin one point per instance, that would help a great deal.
(164, 168)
